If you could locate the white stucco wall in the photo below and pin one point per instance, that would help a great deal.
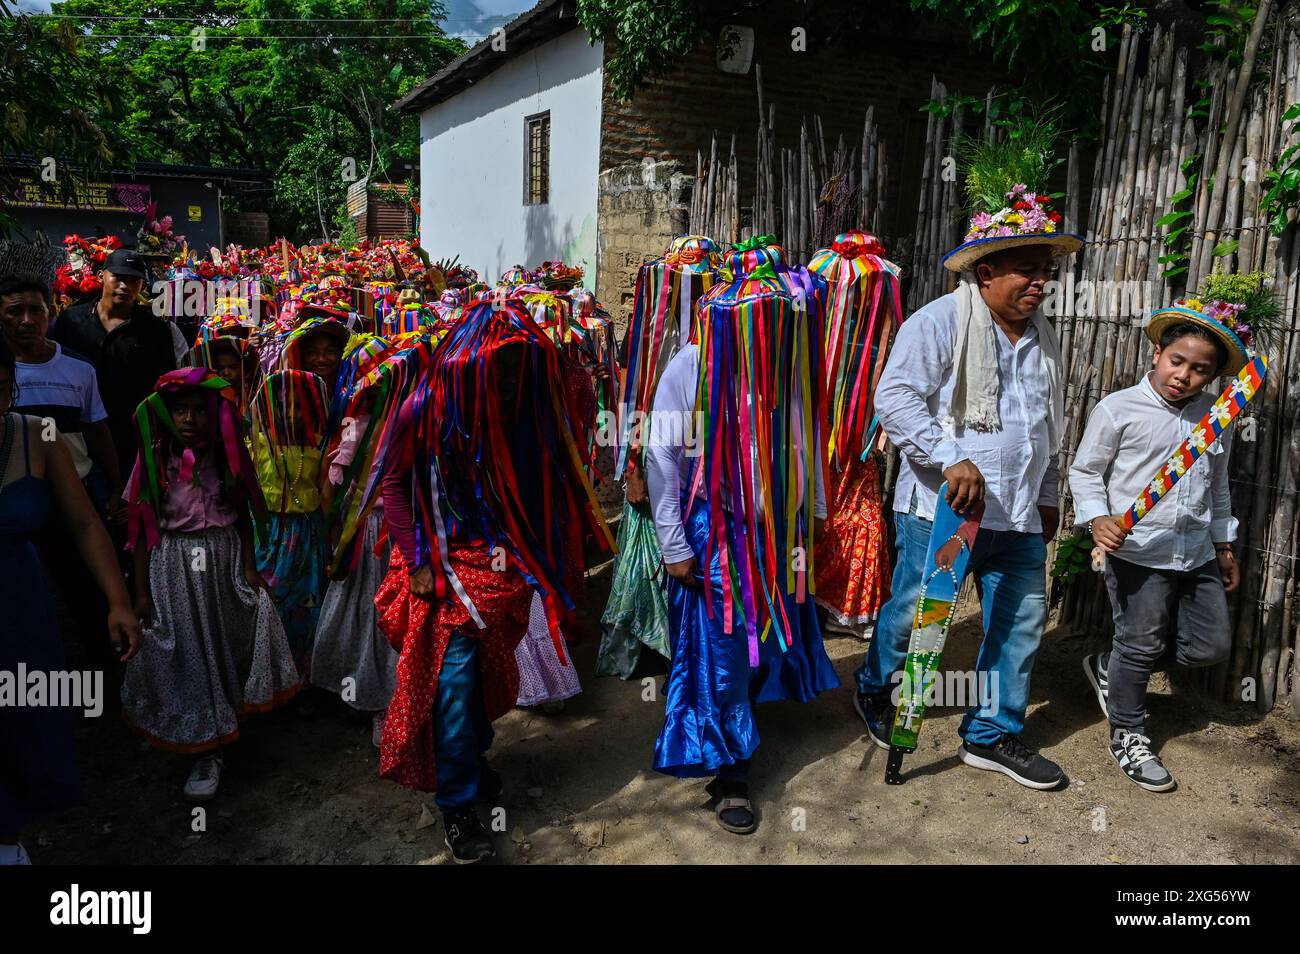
(472, 163)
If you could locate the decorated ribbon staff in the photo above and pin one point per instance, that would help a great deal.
(1150, 481)
(736, 486)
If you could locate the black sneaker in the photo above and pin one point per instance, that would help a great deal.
(1132, 750)
(878, 714)
(1012, 757)
(490, 783)
(466, 837)
(1092, 668)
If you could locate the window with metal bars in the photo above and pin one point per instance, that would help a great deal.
(537, 159)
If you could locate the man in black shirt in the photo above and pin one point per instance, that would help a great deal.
(128, 344)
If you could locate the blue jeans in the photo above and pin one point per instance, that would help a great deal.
(461, 731)
(1010, 576)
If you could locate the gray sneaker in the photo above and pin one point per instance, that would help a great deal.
(1093, 669)
(1132, 750)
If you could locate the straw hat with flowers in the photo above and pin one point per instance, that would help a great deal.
(1006, 187)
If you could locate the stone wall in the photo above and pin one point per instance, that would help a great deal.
(641, 206)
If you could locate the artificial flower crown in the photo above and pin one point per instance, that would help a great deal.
(1226, 313)
(80, 275)
(1030, 213)
(556, 276)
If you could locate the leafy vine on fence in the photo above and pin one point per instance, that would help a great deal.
(1283, 180)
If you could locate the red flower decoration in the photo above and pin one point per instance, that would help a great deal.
(1044, 200)
(1054, 216)
(847, 249)
(207, 269)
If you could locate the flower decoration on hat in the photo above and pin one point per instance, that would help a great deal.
(1027, 213)
(1241, 310)
(556, 276)
(79, 276)
(1005, 184)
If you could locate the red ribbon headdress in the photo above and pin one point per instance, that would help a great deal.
(499, 457)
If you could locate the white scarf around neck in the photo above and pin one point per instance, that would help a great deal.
(976, 382)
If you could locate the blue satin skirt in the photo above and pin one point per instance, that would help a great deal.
(710, 690)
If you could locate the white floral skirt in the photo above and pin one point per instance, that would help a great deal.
(215, 652)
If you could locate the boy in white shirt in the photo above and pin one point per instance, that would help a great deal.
(1177, 564)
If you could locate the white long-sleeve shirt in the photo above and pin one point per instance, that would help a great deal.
(670, 468)
(1018, 461)
(1130, 434)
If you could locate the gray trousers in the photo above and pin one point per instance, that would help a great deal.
(1146, 602)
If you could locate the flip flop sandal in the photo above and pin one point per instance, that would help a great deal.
(733, 803)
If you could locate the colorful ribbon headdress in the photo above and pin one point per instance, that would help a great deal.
(759, 403)
(663, 319)
(157, 437)
(497, 455)
(863, 310)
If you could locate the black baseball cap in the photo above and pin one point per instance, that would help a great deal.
(126, 263)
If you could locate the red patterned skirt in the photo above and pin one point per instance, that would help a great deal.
(853, 557)
(420, 630)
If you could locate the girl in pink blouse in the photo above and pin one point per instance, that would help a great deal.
(214, 647)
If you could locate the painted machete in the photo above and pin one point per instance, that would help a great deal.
(951, 539)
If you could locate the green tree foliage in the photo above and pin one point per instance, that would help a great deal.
(356, 81)
(295, 87)
(648, 36)
(1059, 48)
(65, 118)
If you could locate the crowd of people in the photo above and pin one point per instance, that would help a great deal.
(382, 478)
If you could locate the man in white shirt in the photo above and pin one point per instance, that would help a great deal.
(1172, 570)
(972, 395)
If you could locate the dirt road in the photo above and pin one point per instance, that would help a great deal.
(580, 790)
